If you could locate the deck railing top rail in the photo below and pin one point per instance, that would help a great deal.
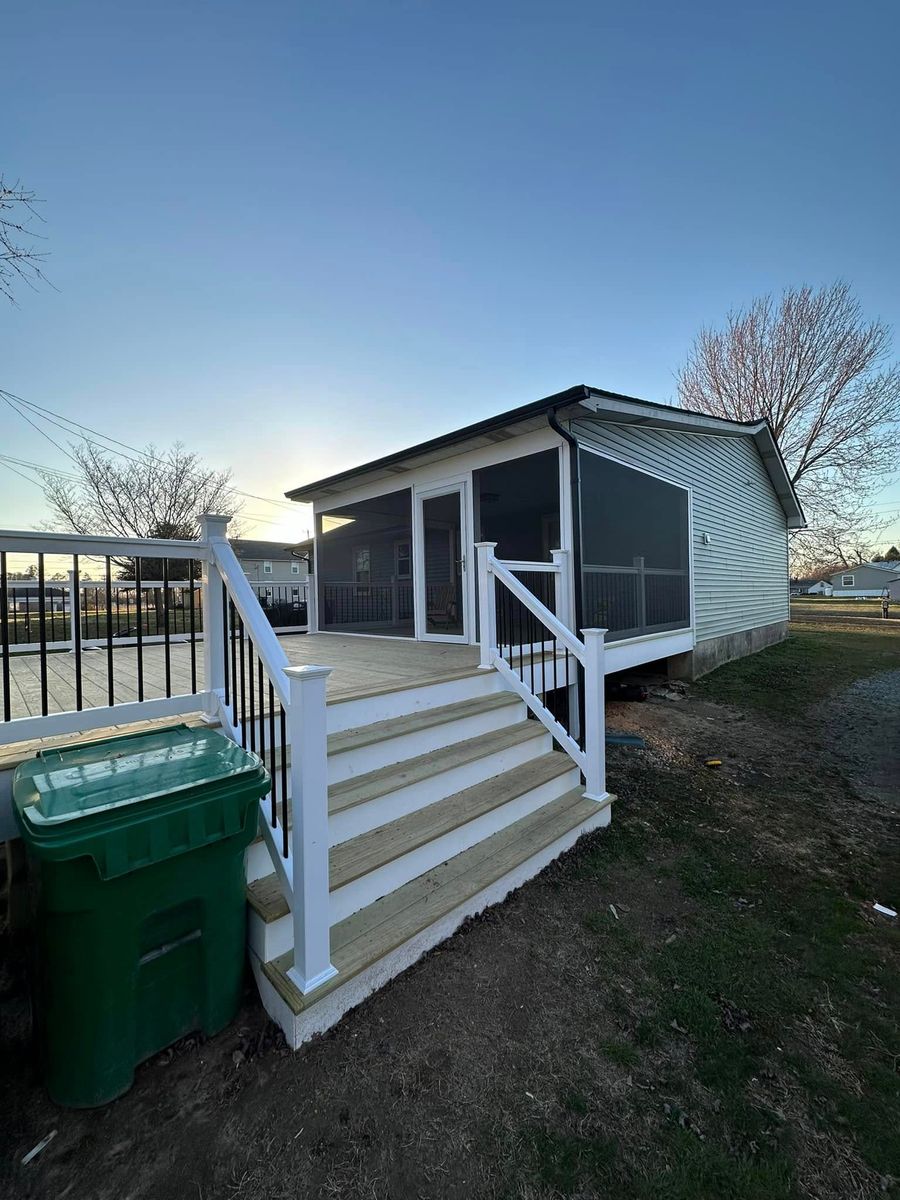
(16, 541)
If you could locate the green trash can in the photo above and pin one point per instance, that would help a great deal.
(137, 846)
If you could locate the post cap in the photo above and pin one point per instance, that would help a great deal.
(213, 524)
(307, 671)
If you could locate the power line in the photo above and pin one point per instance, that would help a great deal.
(42, 467)
(21, 474)
(48, 413)
(42, 432)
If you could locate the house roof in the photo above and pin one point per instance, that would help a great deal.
(268, 551)
(893, 567)
(575, 402)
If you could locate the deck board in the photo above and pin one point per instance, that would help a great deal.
(360, 666)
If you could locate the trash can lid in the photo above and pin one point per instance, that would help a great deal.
(95, 777)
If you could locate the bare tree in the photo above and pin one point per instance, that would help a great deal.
(20, 260)
(817, 371)
(153, 495)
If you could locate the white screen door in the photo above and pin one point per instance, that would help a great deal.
(441, 547)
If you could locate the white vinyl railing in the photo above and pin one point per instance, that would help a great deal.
(236, 673)
(559, 676)
(278, 711)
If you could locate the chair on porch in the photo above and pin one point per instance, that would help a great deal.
(442, 608)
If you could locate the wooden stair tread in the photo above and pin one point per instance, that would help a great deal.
(361, 788)
(425, 718)
(369, 851)
(366, 853)
(375, 931)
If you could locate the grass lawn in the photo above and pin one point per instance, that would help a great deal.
(803, 606)
(696, 1004)
(819, 658)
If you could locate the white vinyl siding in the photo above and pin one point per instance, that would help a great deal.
(740, 567)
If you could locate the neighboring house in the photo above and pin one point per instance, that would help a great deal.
(802, 587)
(894, 589)
(673, 527)
(822, 588)
(864, 580)
(271, 562)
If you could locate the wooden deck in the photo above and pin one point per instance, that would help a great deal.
(361, 666)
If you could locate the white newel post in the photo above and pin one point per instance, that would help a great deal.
(212, 528)
(594, 714)
(74, 607)
(309, 831)
(312, 604)
(563, 603)
(487, 604)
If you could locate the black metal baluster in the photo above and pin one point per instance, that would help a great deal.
(63, 634)
(225, 656)
(118, 613)
(42, 631)
(532, 636)
(76, 631)
(251, 651)
(284, 795)
(139, 611)
(193, 630)
(109, 638)
(272, 745)
(4, 635)
(243, 683)
(521, 635)
(234, 675)
(262, 715)
(166, 630)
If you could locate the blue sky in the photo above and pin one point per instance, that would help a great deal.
(298, 235)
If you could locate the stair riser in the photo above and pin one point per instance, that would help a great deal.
(276, 937)
(258, 861)
(351, 763)
(269, 940)
(369, 888)
(362, 818)
(366, 710)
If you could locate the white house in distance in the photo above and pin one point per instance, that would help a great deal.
(866, 580)
(673, 527)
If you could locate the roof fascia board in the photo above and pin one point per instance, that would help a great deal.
(661, 416)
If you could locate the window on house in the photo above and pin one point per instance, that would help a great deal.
(634, 550)
(403, 560)
(362, 564)
(295, 568)
(848, 580)
(267, 568)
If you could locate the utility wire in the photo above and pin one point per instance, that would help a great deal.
(42, 432)
(48, 414)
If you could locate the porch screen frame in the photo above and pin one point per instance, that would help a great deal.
(364, 542)
(651, 632)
